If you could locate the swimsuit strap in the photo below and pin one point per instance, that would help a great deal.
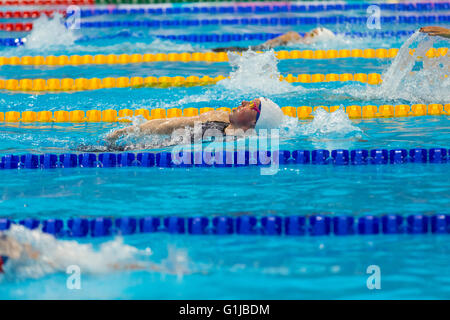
(3, 260)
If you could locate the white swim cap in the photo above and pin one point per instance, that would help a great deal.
(271, 115)
(325, 33)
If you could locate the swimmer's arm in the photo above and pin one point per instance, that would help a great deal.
(282, 40)
(151, 126)
(168, 126)
(436, 31)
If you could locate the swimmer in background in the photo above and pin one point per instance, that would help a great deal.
(260, 113)
(290, 37)
(436, 31)
(12, 250)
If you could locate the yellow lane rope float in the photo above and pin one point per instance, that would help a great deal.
(77, 60)
(81, 84)
(303, 112)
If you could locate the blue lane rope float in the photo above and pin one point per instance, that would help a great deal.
(338, 157)
(227, 9)
(273, 225)
(264, 9)
(274, 21)
(219, 38)
(12, 42)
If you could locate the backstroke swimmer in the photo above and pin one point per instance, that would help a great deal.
(293, 37)
(290, 37)
(260, 113)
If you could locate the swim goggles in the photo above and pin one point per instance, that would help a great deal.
(254, 107)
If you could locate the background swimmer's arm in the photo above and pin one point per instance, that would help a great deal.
(226, 49)
(282, 40)
(436, 31)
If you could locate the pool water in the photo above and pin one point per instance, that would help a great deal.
(230, 267)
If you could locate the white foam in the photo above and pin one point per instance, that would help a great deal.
(56, 255)
(50, 33)
(336, 125)
(429, 84)
(255, 73)
(403, 63)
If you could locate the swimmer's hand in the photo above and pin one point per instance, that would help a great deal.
(113, 136)
(436, 31)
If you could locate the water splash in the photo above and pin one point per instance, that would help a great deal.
(256, 73)
(49, 34)
(54, 256)
(429, 82)
(334, 125)
(404, 63)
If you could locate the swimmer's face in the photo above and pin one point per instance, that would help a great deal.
(244, 117)
(314, 33)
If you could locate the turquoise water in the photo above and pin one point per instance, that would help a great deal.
(232, 267)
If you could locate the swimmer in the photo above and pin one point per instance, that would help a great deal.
(12, 250)
(436, 31)
(285, 39)
(260, 113)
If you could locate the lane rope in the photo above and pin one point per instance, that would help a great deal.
(271, 225)
(241, 9)
(82, 84)
(333, 20)
(274, 21)
(302, 112)
(17, 3)
(380, 53)
(221, 158)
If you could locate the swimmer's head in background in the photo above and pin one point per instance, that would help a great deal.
(320, 32)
